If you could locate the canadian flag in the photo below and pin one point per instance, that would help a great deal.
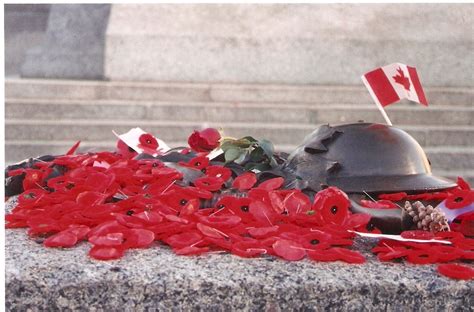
(391, 83)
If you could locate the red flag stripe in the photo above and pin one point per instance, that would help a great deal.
(381, 87)
(417, 85)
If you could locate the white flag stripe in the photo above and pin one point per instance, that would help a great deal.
(391, 71)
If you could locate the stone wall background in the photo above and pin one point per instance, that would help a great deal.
(329, 44)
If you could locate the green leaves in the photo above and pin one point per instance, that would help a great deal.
(232, 153)
(250, 153)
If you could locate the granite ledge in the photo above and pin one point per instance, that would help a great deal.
(39, 279)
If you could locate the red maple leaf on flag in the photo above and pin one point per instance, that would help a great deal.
(401, 79)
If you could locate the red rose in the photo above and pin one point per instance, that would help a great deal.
(205, 140)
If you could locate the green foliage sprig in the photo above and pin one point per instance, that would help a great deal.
(250, 153)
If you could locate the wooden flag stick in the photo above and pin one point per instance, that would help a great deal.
(384, 113)
(376, 100)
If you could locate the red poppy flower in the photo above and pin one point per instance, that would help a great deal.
(316, 240)
(357, 220)
(107, 227)
(125, 150)
(199, 163)
(80, 231)
(109, 239)
(456, 271)
(447, 253)
(248, 249)
(289, 250)
(191, 251)
(63, 239)
(258, 194)
(263, 213)
(277, 202)
(349, 256)
(210, 231)
(393, 196)
(148, 143)
(422, 256)
(220, 172)
(296, 203)
(264, 232)
(327, 255)
(229, 202)
(459, 199)
(241, 208)
(467, 225)
(205, 140)
(139, 238)
(222, 243)
(190, 208)
(177, 199)
(271, 184)
(31, 197)
(149, 217)
(226, 221)
(182, 240)
(42, 225)
(380, 204)
(106, 253)
(463, 184)
(33, 179)
(394, 253)
(12, 173)
(208, 183)
(245, 181)
(332, 205)
(177, 219)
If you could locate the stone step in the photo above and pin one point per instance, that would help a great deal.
(445, 158)
(240, 112)
(279, 133)
(198, 92)
(210, 111)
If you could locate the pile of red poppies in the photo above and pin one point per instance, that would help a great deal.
(117, 203)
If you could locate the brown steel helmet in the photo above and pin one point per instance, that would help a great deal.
(364, 157)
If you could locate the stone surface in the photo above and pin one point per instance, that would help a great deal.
(38, 89)
(39, 279)
(25, 28)
(74, 44)
(288, 43)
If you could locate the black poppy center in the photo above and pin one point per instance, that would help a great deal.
(370, 227)
(197, 164)
(314, 242)
(244, 208)
(183, 202)
(130, 212)
(334, 209)
(30, 195)
(458, 199)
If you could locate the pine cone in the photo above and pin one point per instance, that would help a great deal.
(427, 218)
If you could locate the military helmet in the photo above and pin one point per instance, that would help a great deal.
(364, 157)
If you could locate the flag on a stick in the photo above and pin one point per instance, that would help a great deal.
(391, 83)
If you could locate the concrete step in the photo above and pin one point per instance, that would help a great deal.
(445, 158)
(198, 92)
(238, 112)
(279, 133)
